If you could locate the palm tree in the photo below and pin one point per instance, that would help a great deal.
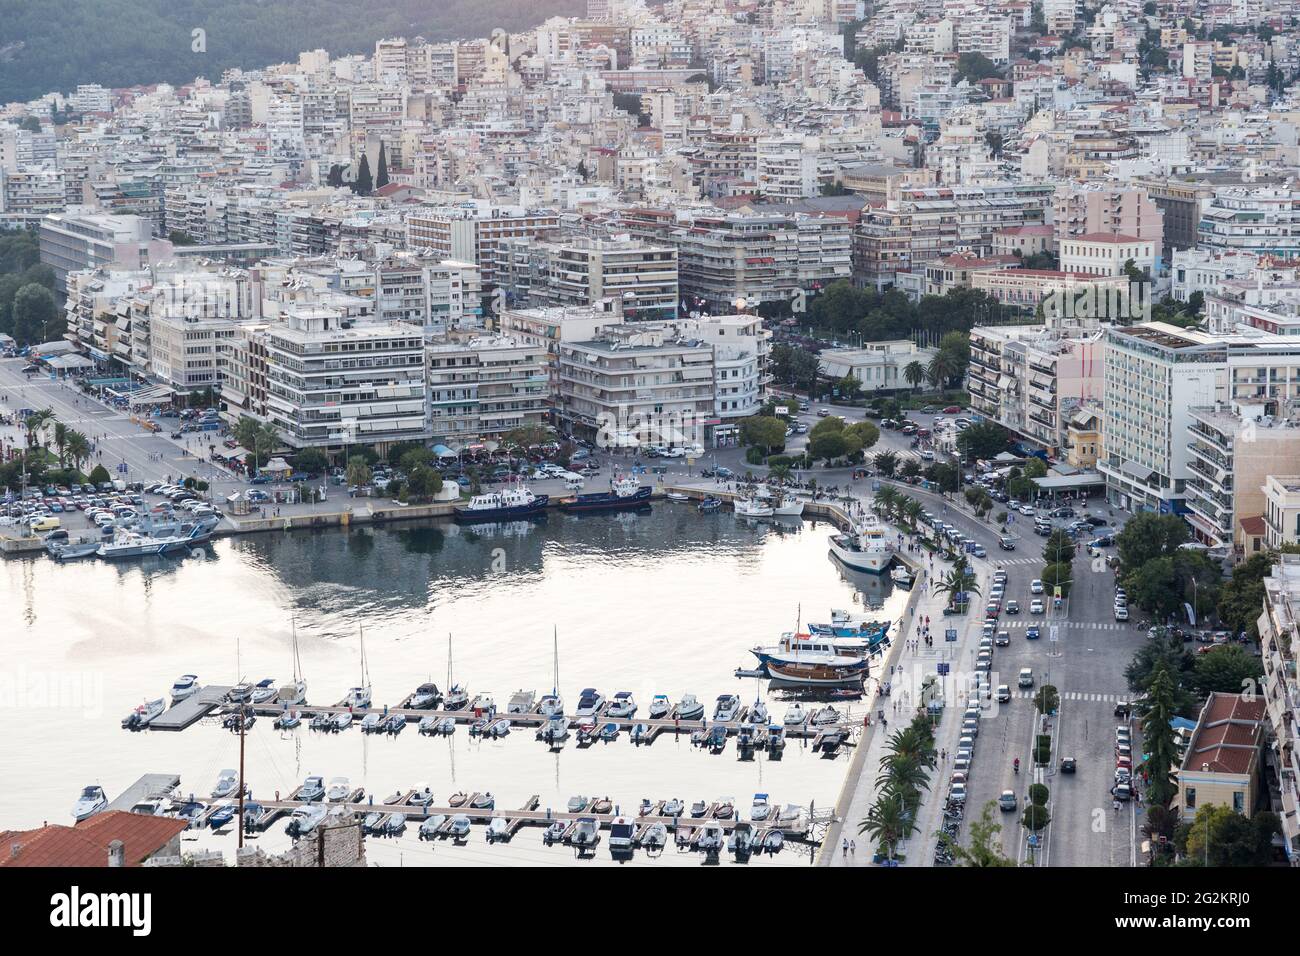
(886, 498)
(942, 369)
(904, 774)
(914, 741)
(60, 440)
(78, 448)
(960, 580)
(887, 823)
(913, 509)
(35, 424)
(914, 374)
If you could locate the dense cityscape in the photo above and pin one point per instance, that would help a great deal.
(979, 319)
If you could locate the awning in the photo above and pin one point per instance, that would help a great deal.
(442, 451)
(66, 362)
(1140, 472)
(276, 465)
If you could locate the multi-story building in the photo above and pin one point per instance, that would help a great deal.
(1264, 220)
(332, 383)
(1235, 448)
(1155, 374)
(1082, 209)
(1279, 641)
(471, 234)
(1221, 765)
(637, 384)
(1281, 511)
(438, 296)
(74, 241)
(482, 386)
(877, 366)
(1106, 254)
(642, 276)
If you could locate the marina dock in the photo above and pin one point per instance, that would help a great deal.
(191, 710)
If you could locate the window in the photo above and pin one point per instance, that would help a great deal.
(1238, 801)
(1189, 798)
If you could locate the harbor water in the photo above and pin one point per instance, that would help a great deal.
(667, 601)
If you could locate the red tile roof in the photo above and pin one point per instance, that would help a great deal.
(86, 844)
(1227, 738)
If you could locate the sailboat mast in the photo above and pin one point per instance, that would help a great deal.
(240, 825)
(555, 685)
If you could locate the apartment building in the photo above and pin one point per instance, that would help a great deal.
(1032, 380)
(435, 295)
(1235, 448)
(642, 276)
(1205, 271)
(333, 382)
(1263, 220)
(1279, 641)
(482, 386)
(1281, 510)
(75, 241)
(91, 308)
(1080, 209)
(29, 193)
(637, 384)
(471, 234)
(1027, 288)
(741, 350)
(1155, 374)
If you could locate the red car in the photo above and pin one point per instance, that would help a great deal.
(952, 410)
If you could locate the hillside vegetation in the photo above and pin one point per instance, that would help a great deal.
(56, 44)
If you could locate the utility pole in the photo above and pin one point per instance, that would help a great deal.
(240, 827)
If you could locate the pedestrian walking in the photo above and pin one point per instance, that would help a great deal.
(845, 848)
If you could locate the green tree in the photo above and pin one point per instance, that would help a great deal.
(1242, 597)
(35, 315)
(1146, 536)
(1158, 736)
(1228, 669)
(886, 462)
(888, 822)
(61, 441)
(423, 482)
(99, 475)
(313, 461)
(358, 473)
(36, 425)
(1058, 576)
(363, 185)
(984, 848)
(983, 440)
(974, 67)
(959, 583)
(1218, 837)
(415, 458)
(914, 374)
(78, 448)
(760, 431)
(381, 174)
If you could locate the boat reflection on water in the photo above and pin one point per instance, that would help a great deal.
(873, 590)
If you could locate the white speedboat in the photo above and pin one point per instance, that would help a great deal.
(305, 820)
(623, 706)
(758, 713)
(341, 721)
(654, 838)
(426, 697)
(339, 790)
(677, 496)
(727, 708)
(555, 730)
(900, 575)
(358, 698)
(370, 723)
(550, 705)
(91, 801)
(866, 548)
(457, 698)
(794, 714)
(430, 827)
(788, 507)
(660, 707)
(690, 708)
(826, 715)
(264, 690)
(710, 837)
(184, 687)
(459, 827)
(577, 804)
(753, 508)
(761, 808)
(227, 781)
(521, 702)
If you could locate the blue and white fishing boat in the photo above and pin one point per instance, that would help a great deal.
(146, 540)
(625, 492)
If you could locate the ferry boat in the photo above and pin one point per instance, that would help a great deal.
(502, 505)
(856, 642)
(148, 540)
(624, 492)
(866, 548)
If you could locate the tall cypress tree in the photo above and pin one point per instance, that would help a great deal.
(363, 185)
(381, 176)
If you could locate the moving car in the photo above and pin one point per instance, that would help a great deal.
(1026, 678)
(1007, 801)
(1036, 586)
(1068, 765)
(1004, 693)
(1033, 634)
(1036, 606)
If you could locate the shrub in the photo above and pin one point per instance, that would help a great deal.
(1035, 817)
(99, 475)
(754, 455)
(1038, 794)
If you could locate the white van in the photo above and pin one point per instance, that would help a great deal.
(573, 481)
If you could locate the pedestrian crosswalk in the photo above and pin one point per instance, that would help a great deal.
(1082, 696)
(1016, 562)
(1005, 625)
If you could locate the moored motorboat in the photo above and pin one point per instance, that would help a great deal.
(227, 781)
(689, 708)
(184, 687)
(625, 492)
(788, 507)
(654, 837)
(660, 707)
(623, 706)
(91, 801)
(761, 809)
(865, 548)
(521, 702)
(457, 698)
(677, 496)
(727, 708)
(287, 720)
(710, 503)
(794, 714)
(752, 508)
(426, 697)
(509, 503)
(264, 690)
(144, 715)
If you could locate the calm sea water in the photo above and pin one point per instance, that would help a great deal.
(665, 602)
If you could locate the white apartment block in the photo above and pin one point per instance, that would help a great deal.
(437, 296)
(637, 384)
(483, 386)
(741, 350)
(1262, 220)
(73, 241)
(1205, 270)
(641, 276)
(788, 168)
(468, 234)
(332, 383)
(1281, 511)
(1155, 375)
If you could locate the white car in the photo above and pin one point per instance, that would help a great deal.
(1027, 511)
(1036, 606)
(927, 455)
(1036, 586)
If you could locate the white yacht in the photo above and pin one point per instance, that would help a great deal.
(185, 686)
(339, 789)
(795, 715)
(227, 781)
(753, 508)
(91, 801)
(787, 507)
(690, 708)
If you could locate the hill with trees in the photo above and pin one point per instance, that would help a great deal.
(57, 44)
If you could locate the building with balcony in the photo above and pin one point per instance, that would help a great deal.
(1279, 640)
(73, 241)
(641, 276)
(1281, 511)
(1155, 374)
(1106, 254)
(471, 234)
(483, 386)
(1234, 448)
(438, 296)
(637, 384)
